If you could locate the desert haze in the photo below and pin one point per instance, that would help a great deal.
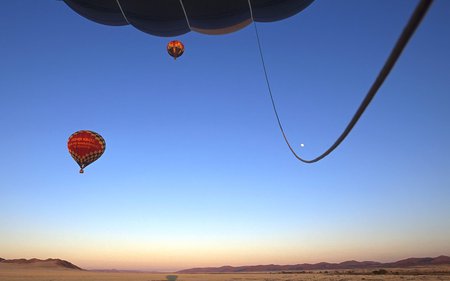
(412, 269)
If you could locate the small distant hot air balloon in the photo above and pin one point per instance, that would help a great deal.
(85, 147)
(175, 48)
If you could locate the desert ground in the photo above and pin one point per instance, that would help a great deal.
(16, 273)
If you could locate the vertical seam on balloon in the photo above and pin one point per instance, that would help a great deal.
(121, 10)
(185, 15)
(251, 10)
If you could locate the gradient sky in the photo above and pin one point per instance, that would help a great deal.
(196, 172)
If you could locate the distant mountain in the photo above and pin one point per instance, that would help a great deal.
(421, 261)
(441, 260)
(48, 263)
(321, 266)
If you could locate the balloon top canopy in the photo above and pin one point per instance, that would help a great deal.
(168, 18)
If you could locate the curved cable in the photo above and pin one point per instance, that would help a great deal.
(406, 34)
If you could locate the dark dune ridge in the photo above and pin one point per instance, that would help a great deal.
(440, 260)
(48, 263)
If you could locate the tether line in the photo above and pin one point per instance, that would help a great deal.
(402, 41)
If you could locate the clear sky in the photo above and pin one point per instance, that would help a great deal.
(195, 171)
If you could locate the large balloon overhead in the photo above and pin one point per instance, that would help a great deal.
(174, 17)
(85, 147)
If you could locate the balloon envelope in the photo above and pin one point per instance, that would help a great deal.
(175, 48)
(167, 18)
(85, 147)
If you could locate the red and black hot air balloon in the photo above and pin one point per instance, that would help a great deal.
(175, 48)
(85, 147)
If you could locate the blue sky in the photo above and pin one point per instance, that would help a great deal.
(195, 171)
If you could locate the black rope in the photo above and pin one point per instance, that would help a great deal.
(407, 33)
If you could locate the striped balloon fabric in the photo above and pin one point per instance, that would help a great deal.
(85, 147)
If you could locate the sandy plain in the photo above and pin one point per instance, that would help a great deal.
(17, 273)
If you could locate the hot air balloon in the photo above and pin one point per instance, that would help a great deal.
(85, 147)
(168, 18)
(175, 48)
(175, 17)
